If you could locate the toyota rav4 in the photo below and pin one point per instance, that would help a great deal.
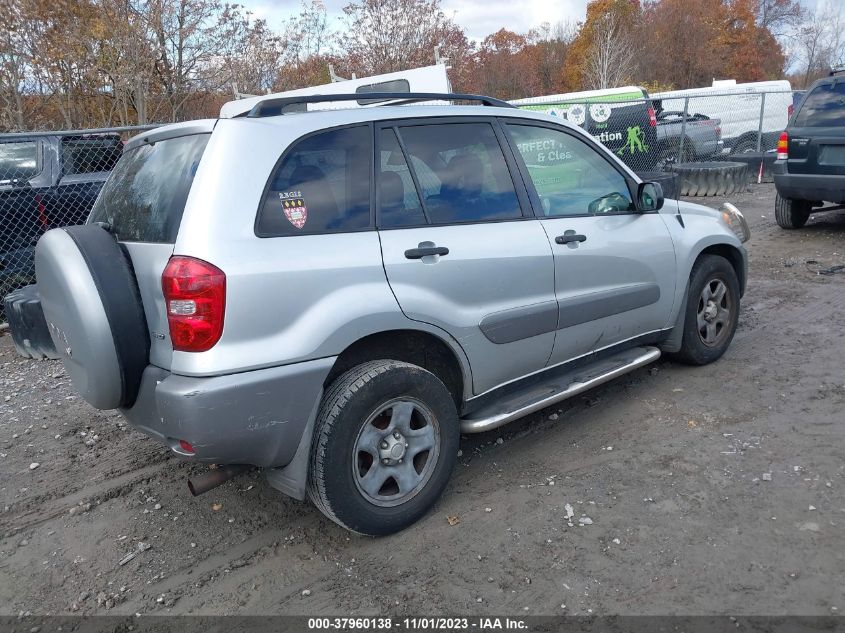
(335, 296)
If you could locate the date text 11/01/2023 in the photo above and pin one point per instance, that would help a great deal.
(416, 624)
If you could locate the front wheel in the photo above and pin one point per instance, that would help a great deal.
(712, 311)
(385, 444)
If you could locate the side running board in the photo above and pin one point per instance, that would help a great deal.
(555, 389)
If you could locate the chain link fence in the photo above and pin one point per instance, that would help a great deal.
(49, 179)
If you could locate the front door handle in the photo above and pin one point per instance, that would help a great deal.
(422, 251)
(570, 236)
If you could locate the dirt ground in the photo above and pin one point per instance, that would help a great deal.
(710, 490)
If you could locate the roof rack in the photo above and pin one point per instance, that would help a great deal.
(275, 107)
(836, 71)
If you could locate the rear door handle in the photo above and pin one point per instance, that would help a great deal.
(570, 236)
(419, 253)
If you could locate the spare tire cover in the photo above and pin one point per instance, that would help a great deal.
(94, 313)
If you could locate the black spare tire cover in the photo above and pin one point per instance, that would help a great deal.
(94, 313)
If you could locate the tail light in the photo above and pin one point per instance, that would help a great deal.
(783, 146)
(195, 296)
(652, 118)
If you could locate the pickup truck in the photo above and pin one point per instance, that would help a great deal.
(702, 137)
(46, 182)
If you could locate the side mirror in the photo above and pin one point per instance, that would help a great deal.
(649, 196)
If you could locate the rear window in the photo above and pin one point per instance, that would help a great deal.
(321, 186)
(89, 155)
(824, 106)
(144, 198)
(18, 161)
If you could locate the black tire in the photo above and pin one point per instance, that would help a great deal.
(707, 273)
(339, 465)
(668, 157)
(745, 147)
(668, 181)
(715, 178)
(791, 214)
(27, 325)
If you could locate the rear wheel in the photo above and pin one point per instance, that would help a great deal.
(385, 445)
(791, 214)
(712, 311)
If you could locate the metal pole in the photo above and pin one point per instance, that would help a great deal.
(683, 132)
(760, 125)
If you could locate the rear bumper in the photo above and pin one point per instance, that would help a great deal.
(830, 188)
(256, 417)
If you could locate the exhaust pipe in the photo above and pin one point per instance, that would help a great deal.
(213, 478)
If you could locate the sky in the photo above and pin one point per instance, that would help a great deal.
(478, 17)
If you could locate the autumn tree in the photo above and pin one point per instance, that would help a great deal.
(752, 52)
(506, 66)
(682, 43)
(603, 51)
(553, 54)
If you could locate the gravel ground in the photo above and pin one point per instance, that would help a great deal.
(692, 490)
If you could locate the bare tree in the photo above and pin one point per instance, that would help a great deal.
(389, 35)
(12, 66)
(611, 58)
(819, 42)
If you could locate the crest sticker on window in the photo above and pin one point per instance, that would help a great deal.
(293, 204)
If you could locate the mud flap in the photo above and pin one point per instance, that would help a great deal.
(674, 342)
(293, 478)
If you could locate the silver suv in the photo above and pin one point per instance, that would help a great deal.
(335, 296)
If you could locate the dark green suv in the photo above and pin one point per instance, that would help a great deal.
(810, 166)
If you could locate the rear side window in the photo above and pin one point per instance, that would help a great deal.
(824, 106)
(89, 155)
(321, 186)
(462, 172)
(144, 197)
(18, 161)
(399, 203)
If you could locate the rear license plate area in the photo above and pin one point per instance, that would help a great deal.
(832, 155)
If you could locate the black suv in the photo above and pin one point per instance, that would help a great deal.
(810, 165)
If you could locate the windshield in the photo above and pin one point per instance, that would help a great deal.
(144, 198)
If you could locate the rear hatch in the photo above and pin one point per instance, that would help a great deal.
(142, 204)
(817, 131)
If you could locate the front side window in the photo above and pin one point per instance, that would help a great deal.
(570, 177)
(462, 172)
(321, 186)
